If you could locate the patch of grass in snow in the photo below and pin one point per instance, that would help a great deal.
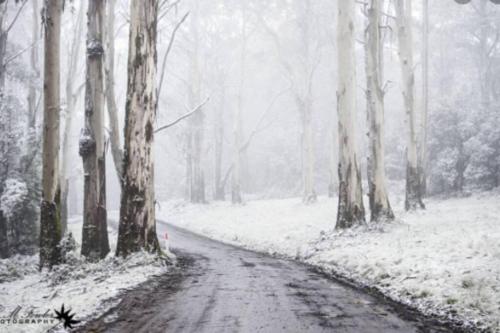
(78, 267)
(17, 267)
(467, 283)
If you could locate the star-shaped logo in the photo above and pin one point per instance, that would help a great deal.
(66, 317)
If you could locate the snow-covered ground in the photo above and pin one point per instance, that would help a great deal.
(87, 288)
(444, 260)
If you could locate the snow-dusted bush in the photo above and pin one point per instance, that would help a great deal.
(13, 197)
(77, 267)
(464, 146)
(17, 267)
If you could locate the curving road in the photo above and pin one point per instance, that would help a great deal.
(220, 288)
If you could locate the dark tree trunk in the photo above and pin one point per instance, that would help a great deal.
(4, 242)
(413, 199)
(50, 233)
(102, 212)
(350, 210)
(64, 207)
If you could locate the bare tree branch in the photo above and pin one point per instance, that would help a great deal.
(190, 113)
(258, 127)
(8, 60)
(169, 48)
(16, 16)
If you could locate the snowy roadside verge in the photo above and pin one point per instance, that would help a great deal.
(88, 289)
(444, 261)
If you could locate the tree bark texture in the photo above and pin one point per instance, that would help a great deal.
(413, 198)
(137, 228)
(94, 234)
(380, 207)
(4, 241)
(114, 131)
(71, 98)
(350, 209)
(50, 224)
(422, 162)
(3, 43)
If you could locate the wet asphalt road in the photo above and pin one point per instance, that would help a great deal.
(220, 288)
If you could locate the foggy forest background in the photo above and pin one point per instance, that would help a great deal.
(259, 60)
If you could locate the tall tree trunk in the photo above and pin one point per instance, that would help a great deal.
(422, 163)
(196, 122)
(350, 209)
(50, 224)
(32, 89)
(4, 240)
(95, 233)
(484, 56)
(307, 144)
(303, 100)
(413, 198)
(137, 227)
(219, 144)
(379, 201)
(3, 44)
(332, 159)
(114, 131)
(71, 98)
(236, 197)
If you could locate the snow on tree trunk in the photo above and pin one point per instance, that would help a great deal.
(380, 207)
(413, 198)
(50, 224)
(95, 232)
(71, 98)
(137, 228)
(350, 209)
(114, 131)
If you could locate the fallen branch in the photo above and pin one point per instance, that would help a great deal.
(190, 113)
